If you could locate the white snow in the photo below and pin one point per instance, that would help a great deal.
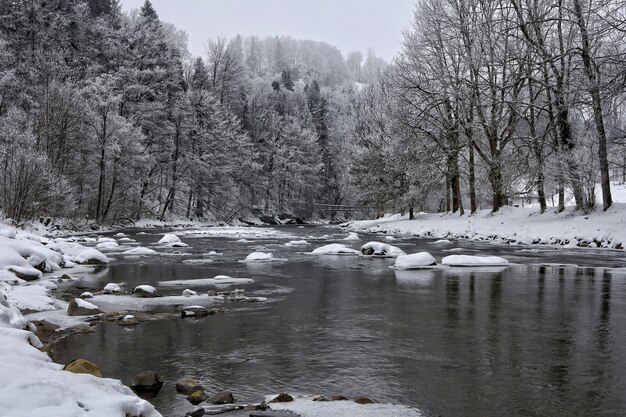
(306, 407)
(78, 253)
(514, 225)
(140, 251)
(169, 238)
(31, 297)
(37, 386)
(85, 304)
(112, 287)
(469, 260)
(441, 242)
(415, 261)
(217, 280)
(107, 245)
(259, 257)
(86, 294)
(352, 236)
(297, 243)
(335, 249)
(383, 249)
(145, 288)
(188, 293)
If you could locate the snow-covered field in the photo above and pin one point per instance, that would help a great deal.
(515, 225)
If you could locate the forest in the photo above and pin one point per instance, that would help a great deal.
(106, 116)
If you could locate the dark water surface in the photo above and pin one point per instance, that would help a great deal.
(527, 340)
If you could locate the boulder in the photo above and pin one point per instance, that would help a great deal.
(363, 400)
(224, 397)
(196, 397)
(80, 307)
(282, 398)
(144, 291)
(338, 398)
(111, 288)
(195, 311)
(187, 386)
(128, 320)
(211, 293)
(83, 366)
(147, 381)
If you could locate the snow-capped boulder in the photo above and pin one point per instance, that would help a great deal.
(259, 256)
(296, 243)
(381, 249)
(75, 252)
(335, 249)
(188, 293)
(80, 307)
(441, 242)
(415, 261)
(140, 251)
(86, 295)
(144, 291)
(107, 245)
(469, 260)
(176, 245)
(352, 236)
(112, 288)
(169, 238)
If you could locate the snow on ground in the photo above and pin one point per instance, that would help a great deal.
(415, 261)
(468, 260)
(293, 243)
(517, 225)
(306, 407)
(381, 249)
(31, 297)
(75, 252)
(217, 280)
(37, 386)
(335, 249)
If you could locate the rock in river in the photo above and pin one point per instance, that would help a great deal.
(282, 398)
(147, 381)
(83, 366)
(80, 307)
(187, 386)
(224, 397)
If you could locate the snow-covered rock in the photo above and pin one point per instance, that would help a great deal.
(188, 293)
(80, 307)
(140, 251)
(441, 242)
(107, 245)
(112, 288)
(415, 261)
(169, 238)
(259, 257)
(144, 291)
(381, 249)
(80, 254)
(468, 260)
(352, 236)
(297, 243)
(176, 245)
(335, 249)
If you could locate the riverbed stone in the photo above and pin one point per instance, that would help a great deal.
(211, 293)
(73, 309)
(283, 397)
(147, 381)
(196, 397)
(224, 397)
(363, 400)
(195, 311)
(187, 386)
(338, 398)
(83, 366)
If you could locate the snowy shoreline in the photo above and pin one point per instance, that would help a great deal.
(510, 225)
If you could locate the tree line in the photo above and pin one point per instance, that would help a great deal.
(105, 115)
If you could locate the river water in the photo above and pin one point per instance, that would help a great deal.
(527, 340)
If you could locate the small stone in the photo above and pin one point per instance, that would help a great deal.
(338, 398)
(363, 400)
(224, 397)
(147, 381)
(282, 398)
(83, 366)
(187, 386)
(211, 293)
(144, 291)
(196, 397)
(195, 311)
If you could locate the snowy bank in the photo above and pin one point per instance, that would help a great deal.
(38, 386)
(512, 225)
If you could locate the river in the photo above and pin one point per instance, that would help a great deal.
(532, 339)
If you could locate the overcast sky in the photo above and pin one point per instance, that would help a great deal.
(348, 24)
